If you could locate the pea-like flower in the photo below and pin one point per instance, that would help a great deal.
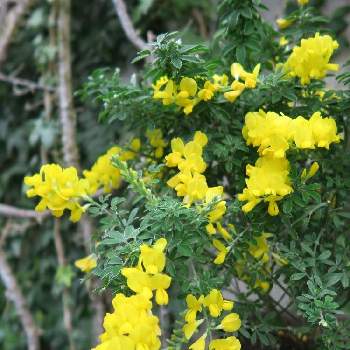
(59, 188)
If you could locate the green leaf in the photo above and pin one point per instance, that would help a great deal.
(297, 276)
(333, 279)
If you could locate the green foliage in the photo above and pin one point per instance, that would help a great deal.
(308, 257)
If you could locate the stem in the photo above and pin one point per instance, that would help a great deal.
(67, 314)
(11, 211)
(12, 21)
(66, 106)
(127, 25)
(14, 293)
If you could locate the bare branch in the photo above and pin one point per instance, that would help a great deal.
(202, 28)
(31, 85)
(11, 211)
(13, 19)
(66, 106)
(67, 312)
(14, 293)
(127, 25)
(70, 147)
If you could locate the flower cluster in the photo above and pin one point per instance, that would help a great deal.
(242, 80)
(274, 134)
(268, 181)
(104, 174)
(260, 251)
(215, 304)
(156, 140)
(59, 189)
(310, 60)
(132, 325)
(187, 94)
(191, 184)
(147, 276)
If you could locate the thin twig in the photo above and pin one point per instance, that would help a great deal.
(127, 25)
(202, 28)
(13, 19)
(70, 147)
(11, 211)
(14, 293)
(31, 85)
(67, 313)
(66, 106)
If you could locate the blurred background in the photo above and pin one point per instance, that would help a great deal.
(47, 51)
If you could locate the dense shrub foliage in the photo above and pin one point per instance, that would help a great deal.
(222, 212)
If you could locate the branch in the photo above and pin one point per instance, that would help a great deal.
(31, 85)
(67, 113)
(14, 293)
(13, 19)
(202, 28)
(67, 312)
(11, 211)
(127, 25)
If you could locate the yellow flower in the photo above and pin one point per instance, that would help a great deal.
(146, 277)
(194, 305)
(302, 133)
(272, 208)
(138, 281)
(192, 188)
(131, 325)
(268, 180)
(103, 173)
(125, 155)
(324, 130)
(190, 327)
(135, 144)
(207, 93)
(269, 176)
(165, 90)
(156, 140)
(283, 41)
(237, 71)
(263, 285)
(305, 175)
(152, 259)
(232, 95)
(222, 252)
(220, 208)
(199, 344)
(252, 200)
(59, 189)
(186, 96)
(231, 323)
(303, 2)
(283, 23)
(237, 87)
(86, 264)
(224, 233)
(250, 79)
(230, 343)
(310, 60)
(216, 303)
(188, 157)
(220, 81)
(143, 283)
(260, 249)
(268, 130)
